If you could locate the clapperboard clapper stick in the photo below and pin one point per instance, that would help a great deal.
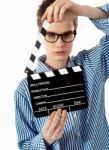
(60, 88)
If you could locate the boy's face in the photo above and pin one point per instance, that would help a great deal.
(59, 50)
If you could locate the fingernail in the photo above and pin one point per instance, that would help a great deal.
(52, 114)
(60, 110)
(49, 20)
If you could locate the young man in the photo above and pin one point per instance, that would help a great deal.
(80, 130)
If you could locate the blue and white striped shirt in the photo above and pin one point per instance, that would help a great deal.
(84, 129)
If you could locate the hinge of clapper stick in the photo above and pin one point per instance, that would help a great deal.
(31, 63)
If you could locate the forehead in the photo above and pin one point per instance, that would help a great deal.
(65, 25)
(60, 27)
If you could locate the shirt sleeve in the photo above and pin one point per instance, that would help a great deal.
(103, 24)
(99, 55)
(28, 136)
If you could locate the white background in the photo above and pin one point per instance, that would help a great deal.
(18, 33)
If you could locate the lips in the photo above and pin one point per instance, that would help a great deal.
(60, 52)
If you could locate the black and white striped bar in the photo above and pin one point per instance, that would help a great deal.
(62, 88)
(31, 63)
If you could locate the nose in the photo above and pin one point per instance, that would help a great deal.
(60, 42)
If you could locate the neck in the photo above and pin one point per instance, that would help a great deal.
(56, 64)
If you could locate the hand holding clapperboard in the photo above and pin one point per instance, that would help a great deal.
(61, 88)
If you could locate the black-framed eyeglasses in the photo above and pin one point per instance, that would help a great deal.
(67, 37)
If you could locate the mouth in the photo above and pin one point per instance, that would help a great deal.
(60, 53)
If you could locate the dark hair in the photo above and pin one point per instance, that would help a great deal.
(41, 10)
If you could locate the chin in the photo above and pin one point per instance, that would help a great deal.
(61, 58)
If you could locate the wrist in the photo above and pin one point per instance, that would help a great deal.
(76, 9)
(48, 145)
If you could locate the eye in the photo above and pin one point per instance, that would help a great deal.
(68, 35)
(51, 35)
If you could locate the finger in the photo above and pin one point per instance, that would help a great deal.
(62, 12)
(44, 15)
(50, 13)
(49, 121)
(57, 10)
(59, 129)
(55, 122)
(63, 117)
(59, 135)
(64, 8)
(56, 13)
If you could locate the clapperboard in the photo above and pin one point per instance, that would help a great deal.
(60, 88)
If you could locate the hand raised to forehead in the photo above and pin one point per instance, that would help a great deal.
(56, 10)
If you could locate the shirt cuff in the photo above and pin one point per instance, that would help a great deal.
(102, 24)
(105, 7)
(38, 143)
